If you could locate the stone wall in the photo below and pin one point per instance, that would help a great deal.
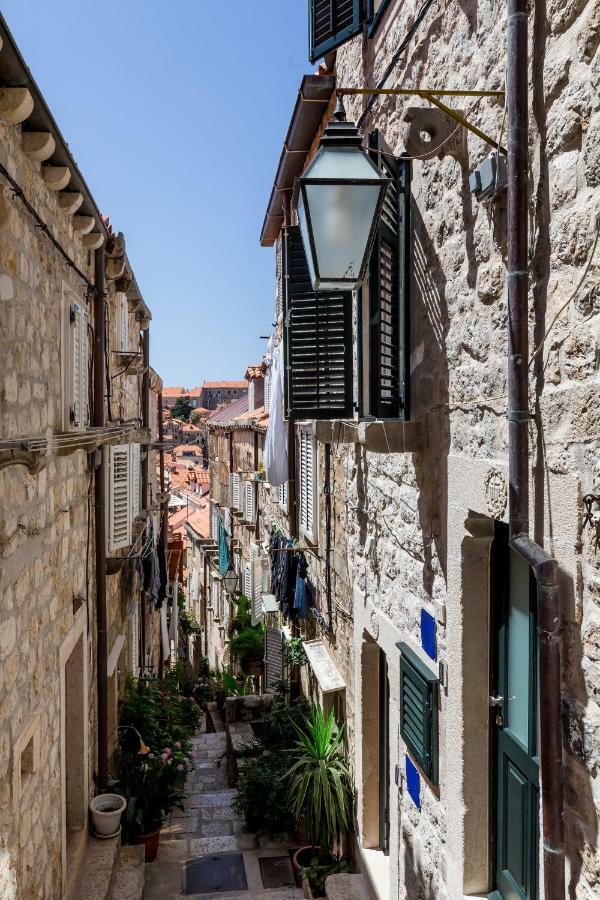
(47, 579)
(458, 387)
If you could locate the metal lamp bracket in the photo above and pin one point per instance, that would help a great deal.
(432, 96)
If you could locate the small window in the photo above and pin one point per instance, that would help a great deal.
(307, 505)
(419, 710)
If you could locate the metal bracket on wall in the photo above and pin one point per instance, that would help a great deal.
(591, 516)
(432, 97)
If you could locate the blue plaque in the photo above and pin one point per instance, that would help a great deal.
(428, 634)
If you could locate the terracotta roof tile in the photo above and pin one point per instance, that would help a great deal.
(255, 371)
(225, 384)
(173, 392)
(227, 412)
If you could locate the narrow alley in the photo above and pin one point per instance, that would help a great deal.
(204, 852)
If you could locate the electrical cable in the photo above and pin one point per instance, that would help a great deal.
(391, 65)
(18, 192)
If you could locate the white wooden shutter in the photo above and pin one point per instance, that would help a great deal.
(283, 495)
(307, 478)
(122, 323)
(267, 399)
(249, 505)
(248, 581)
(251, 387)
(214, 522)
(134, 468)
(119, 498)
(79, 366)
(234, 480)
(256, 570)
(273, 657)
(134, 639)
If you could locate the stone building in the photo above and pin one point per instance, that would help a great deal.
(213, 393)
(426, 611)
(79, 493)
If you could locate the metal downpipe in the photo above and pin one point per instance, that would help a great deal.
(99, 518)
(543, 565)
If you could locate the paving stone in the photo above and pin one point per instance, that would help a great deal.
(223, 844)
(219, 798)
(171, 851)
(212, 829)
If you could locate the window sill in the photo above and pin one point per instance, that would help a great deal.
(378, 435)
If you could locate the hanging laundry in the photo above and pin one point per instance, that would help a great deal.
(276, 449)
(301, 589)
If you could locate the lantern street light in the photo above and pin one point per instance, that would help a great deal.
(338, 200)
(230, 580)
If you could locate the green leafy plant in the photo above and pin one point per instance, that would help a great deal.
(182, 409)
(247, 640)
(319, 779)
(188, 623)
(316, 873)
(293, 652)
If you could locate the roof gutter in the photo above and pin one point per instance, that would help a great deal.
(311, 103)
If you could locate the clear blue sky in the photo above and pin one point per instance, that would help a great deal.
(176, 114)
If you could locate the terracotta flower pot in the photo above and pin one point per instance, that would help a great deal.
(150, 842)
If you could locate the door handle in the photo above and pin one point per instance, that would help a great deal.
(496, 701)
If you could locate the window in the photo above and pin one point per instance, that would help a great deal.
(77, 363)
(388, 293)
(119, 497)
(419, 710)
(122, 323)
(235, 490)
(283, 496)
(258, 561)
(306, 483)
(249, 502)
(318, 342)
(331, 23)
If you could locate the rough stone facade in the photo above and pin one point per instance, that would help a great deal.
(48, 690)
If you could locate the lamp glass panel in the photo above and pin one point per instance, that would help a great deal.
(343, 163)
(341, 217)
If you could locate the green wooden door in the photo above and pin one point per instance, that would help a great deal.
(514, 722)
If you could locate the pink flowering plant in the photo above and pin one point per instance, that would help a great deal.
(154, 754)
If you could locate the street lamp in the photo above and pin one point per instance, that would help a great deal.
(230, 580)
(338, 201)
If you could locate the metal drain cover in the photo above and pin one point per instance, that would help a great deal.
(276, 871)
(220, 872)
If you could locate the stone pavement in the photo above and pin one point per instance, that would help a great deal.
(209, 825)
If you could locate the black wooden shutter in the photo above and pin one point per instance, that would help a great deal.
(331, 23)
(318, 341)
(418, 711)
(273, 658)
(389, 284)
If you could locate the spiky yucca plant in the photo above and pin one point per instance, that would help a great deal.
(319, 780)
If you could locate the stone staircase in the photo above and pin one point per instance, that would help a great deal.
(110, 871)
(346, 887)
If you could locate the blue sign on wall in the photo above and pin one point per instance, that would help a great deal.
(428, 634)
(413, 782)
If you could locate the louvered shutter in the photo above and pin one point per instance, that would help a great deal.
(122, 323)
(332, 22)
(283, 495)
(278, 277)
(267, 397)
(318, 342)
(249, 505)
(135, 479)
(306, 473)
(273, 658)
(256, 571)
(235, 490)
(79, 365)
(418, 710)
(119, 498)
(389, 284)
(248, 581)
(134, 639)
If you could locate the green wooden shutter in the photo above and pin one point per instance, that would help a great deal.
(389, 285)
(418, 711)
(318, 341)
(331, 23)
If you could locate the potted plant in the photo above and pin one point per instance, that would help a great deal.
(106, 810)
(247, 640)
(314, 876)
(319, 787)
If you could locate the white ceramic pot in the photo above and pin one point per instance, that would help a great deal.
(106, 810)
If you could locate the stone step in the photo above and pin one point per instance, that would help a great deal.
(96, 874)
(128, 882)
(344, 886)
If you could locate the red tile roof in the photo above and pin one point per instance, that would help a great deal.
(255, 371)
(174, 392)
(228, 411)
(190, 428)
(226, 384)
